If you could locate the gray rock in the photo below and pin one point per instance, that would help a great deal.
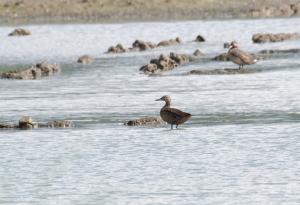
(20, 32)
(170, 42)
(85, 59)
(198, 53)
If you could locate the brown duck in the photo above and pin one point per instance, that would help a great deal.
(170, 115)
(239, 57)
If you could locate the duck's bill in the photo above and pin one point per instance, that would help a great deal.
(158, 99)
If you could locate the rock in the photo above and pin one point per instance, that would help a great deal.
(180, 58)
(119, 48)
(26, 123)
(279, 51)
(143, 45)
(225, 71)
(200, 38)
(269, 37)
(221, 57)
(85, 59)
(20, 32)
(164, 63)
(198, 53)
(170, 42)
(150, 121)
(59, 124)
(8, 126)
(34, 72)
(149, 68)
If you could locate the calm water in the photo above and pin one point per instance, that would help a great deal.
(241, 146)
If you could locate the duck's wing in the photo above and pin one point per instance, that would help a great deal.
(245, 57)
(174, 115)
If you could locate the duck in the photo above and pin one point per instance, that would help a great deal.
(170, 115)
(239, 57)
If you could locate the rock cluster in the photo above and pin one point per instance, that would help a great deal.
(140, 45)
(150, 121)
(269, 37)
(165, 63)
(34, 72)
(26, 123)
(20, 32)
(119, 48)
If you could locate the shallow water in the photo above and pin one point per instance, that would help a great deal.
(240, 147)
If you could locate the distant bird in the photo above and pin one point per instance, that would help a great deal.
(238, 56)
(170, 115)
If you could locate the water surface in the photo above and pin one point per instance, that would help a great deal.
(240, 147)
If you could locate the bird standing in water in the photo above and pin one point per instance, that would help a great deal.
(170, 115)
(238, 56)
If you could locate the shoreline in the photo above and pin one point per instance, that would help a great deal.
(21, 12)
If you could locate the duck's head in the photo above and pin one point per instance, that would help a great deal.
(165, 98)
(233, 44)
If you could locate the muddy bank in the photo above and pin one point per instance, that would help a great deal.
(80, 11)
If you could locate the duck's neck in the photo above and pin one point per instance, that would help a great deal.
(167, 105)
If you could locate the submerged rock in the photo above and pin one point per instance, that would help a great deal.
(85, 59)
(59, 124)
(280, 51)
(150, 121)
(34, 72)
(170, 42)
(225, 71)
(269, 37)
(200, 38)
(20, 32)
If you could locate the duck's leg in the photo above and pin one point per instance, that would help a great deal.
(176, 126)
(239, 67)
(171, 126)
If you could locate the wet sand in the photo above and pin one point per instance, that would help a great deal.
(97, 11)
